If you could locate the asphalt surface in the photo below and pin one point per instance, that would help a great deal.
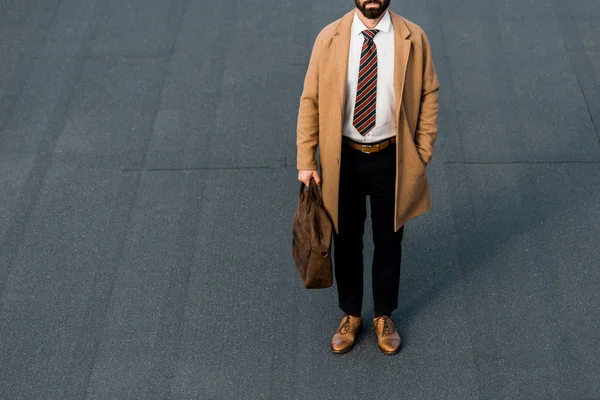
(148, 182)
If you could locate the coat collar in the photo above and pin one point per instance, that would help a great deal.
(384, 25)
(344, 25)
(341, 40)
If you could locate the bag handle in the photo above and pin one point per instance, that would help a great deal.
(311, 194)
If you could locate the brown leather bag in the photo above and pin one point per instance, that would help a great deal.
(311, 239)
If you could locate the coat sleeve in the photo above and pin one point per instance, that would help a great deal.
(427, 129)
(308, 115)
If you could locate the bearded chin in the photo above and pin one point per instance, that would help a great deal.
(372, 13)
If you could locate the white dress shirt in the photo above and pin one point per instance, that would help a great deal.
(384, 40)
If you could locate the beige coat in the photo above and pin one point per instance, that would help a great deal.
(322, 108)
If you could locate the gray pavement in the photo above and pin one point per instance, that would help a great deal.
(147, 186)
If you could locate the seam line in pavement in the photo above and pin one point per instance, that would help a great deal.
(583, 68)
(126, 56)
(517, 162)
(585, 97)
(197, 169)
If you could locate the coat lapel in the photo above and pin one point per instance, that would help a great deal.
(342, 50)
(401, 54)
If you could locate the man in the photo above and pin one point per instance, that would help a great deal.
(370, 103)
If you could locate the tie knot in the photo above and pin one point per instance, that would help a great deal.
(369, 34)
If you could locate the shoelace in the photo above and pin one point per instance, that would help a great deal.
(345, 326)
(387, 327)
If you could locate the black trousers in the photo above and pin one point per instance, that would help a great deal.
(365, 175)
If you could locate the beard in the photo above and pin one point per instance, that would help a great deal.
(372, 12)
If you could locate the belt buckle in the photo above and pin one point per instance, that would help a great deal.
(373, 148)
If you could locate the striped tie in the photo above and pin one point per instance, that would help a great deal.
(366, 91)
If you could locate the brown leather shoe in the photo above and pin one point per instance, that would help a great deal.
(346, 334)
(388, 338)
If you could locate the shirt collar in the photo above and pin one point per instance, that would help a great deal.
(383, 25)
